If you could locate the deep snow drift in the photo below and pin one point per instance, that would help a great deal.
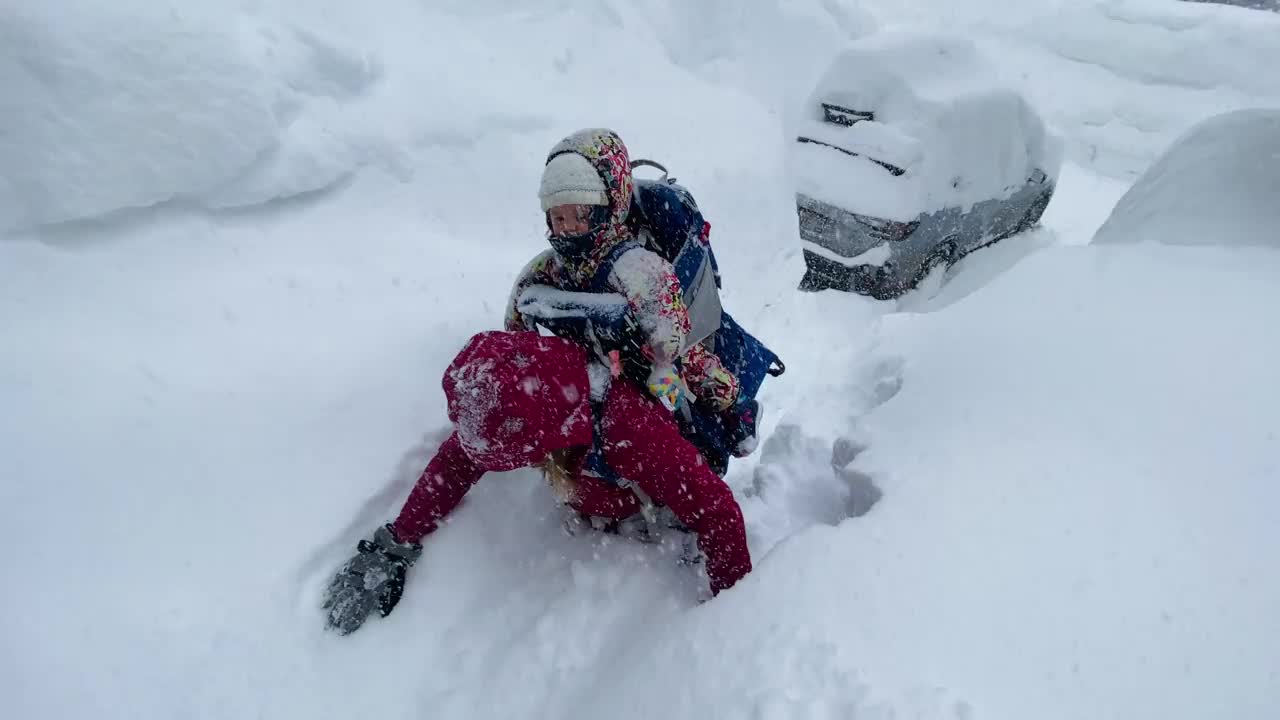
(1078, 474)
(243, 244)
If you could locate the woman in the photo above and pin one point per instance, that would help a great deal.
(518, 399)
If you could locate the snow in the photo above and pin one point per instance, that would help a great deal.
(940, 114)
(874, 139)
(877, 256)
(1217, 185)
(1104, 470)
(1255, 4)
(127, 107)
(542, 301)
(243, 242)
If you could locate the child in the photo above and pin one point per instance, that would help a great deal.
(586, 194)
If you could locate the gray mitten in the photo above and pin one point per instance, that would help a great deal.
(373, 578)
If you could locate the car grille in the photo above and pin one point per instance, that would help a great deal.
(815, 225)
(844, 233)
(886, 230)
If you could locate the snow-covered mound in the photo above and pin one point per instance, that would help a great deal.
(1218, 185)
(940, 115)
(126, 105)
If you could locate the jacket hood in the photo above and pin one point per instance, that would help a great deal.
(604, 149)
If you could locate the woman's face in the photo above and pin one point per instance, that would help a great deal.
(570, 219)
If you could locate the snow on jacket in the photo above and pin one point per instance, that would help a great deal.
(644, 278)
(516, 397)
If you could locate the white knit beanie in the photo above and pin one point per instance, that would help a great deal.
(571, 179)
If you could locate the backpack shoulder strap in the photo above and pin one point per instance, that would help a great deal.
(600, 282)
(595, 464)
(670, 215)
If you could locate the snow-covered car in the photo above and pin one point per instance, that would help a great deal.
(910, 156)
(1217, 184)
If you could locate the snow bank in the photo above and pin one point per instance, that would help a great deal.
(771, 50)
(1078, 467)
(135, 104)
(119, 109)
(109, 107)
(1217, 185)
(1147, 72)
(941, 115)
(1130, 76)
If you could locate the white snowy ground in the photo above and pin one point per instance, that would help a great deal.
(242, 245)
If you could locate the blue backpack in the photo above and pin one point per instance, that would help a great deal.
(665, 215)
